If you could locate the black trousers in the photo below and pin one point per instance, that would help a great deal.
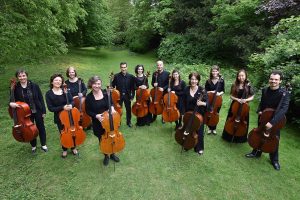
(126, 99)
(200, 145)
(38, 119)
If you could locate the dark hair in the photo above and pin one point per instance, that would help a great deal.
(19, 71)
(172, 79)
(53, 77)
(93, 80)
(123, 63)
(137, 67)
(235, 87)
(277, 72)
(68, 71)
(197, 75)
(214, 67)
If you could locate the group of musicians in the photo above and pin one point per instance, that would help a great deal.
(189, 95)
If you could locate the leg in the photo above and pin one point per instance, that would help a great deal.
(200, 145)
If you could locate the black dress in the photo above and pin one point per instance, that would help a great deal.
(238, 139)
(179, 91)
(95, 107)
(190, 103)
(141, 121)
(210, 86)
(74, 88)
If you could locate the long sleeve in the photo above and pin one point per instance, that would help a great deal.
(41, 99)
(50, 104)
(83, 88)
(88, 106)
(282, 110)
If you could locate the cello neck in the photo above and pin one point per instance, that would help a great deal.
(111, 122)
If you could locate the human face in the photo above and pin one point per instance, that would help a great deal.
(57, 81)
(123, 68)
(140, 70)
(215, 73)
(72, 73)
(160, 66)
(176, 75)
(242, 77)
(97, 86)
(274, 81)
(194, 81)
(22, 77)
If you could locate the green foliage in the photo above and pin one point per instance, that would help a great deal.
(32, 29)
(282, 51)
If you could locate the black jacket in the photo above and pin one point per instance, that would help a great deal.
(162, 79)
(124, 84)
(38, 99)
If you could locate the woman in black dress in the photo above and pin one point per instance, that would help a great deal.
(211, 86)
(96, 105)
(141, 81)
(240, 87)
(191, 100)
(73, 85)
(177, 86)
(56, 102)
(30, 93)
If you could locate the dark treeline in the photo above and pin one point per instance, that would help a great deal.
(260, 35)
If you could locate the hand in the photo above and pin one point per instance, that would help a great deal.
(68, 107)
(218, 94)
(113, 110)
(268, 125)
(169, 89)
(100, 117)
(155, 84)
(200, 103)
(143, 87)
(14, 105)
(259, 113)
(80, 95)
(161, 89)
(173, 92)
(43, 115)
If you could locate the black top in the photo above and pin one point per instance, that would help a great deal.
(32, 91)
(56, 103)
(94, 107)
(190, 102)
(74, 88)
(239, 94)
(271, 98)
(162, 79)
(179, 89)
(210, 86)
(124, 84)
(138, 81)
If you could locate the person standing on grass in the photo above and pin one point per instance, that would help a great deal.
(124, 82)
(162, 80)
(196, 96)
(270, 98)
(30, 93)
(211, 85)
(96, 105)
(57, 102)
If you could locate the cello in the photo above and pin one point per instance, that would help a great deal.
(263, 139)
(23, 130)
(140, 107)
(115, 95)
(79, 102)
(170, 111)
(187, 135)
(237, 124)
(156, 105)
(72, 135)
(112, 141)
(211, 116)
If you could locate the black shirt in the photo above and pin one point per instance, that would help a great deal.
(162, 79)
(190, 102)
(210, 86)
(124, 84)
(74, 88)
(138, 81)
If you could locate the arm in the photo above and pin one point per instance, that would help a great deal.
(41, 99)
(51, 107)
(89, 108)
(282, 110)
(83, 89)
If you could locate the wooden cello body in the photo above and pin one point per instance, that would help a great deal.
(72, 135)
(79, 102)
(140, 106)
(170, 111)
(156, 104)
(266, 140)
(112, 141)
(23, 130)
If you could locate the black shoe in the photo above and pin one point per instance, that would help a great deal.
(276, 165)
(252, 155)
(75, 152)
(33, 151)
(114, 158)
(129, 125)
(105, 160)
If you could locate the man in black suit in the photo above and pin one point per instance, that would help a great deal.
(124, 82)
(162, 80)
(271, 97)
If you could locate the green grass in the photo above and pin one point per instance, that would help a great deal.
(151, 166)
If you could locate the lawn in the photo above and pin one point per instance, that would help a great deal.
(152, 165)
